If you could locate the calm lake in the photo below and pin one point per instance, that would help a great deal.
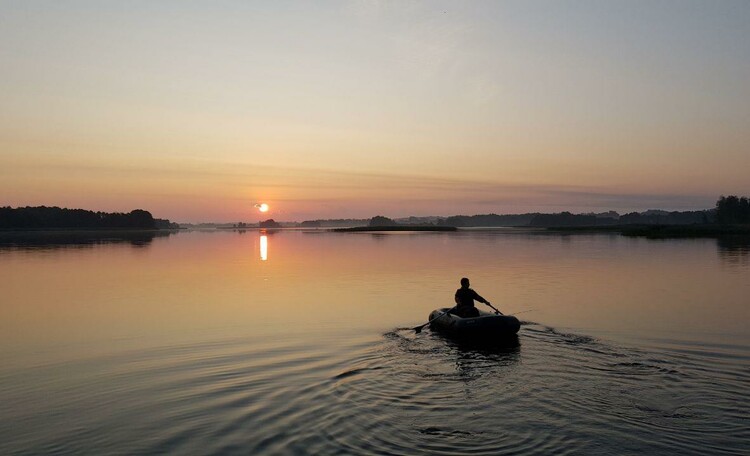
(298, 342)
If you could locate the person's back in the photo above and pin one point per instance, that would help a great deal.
(465, 297)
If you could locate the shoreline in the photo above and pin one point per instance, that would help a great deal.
(660, 231)
(86, 230)
(364, 229)
(648, 231)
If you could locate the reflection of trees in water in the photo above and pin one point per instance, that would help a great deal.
(734, 250)
(27, 240)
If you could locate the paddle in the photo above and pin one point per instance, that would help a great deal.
(418, 329)
(496, 311)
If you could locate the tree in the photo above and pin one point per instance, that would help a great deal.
(270, 223)
(733, 209)
(380, 220)
(42, 217)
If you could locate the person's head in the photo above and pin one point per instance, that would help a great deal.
(465, 282)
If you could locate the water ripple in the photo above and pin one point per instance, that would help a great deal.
(549, 392)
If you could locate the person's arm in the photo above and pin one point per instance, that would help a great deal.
(455, 298)
(479, 298)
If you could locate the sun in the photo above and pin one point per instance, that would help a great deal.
(263, 207)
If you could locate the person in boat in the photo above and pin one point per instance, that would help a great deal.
(465, 297)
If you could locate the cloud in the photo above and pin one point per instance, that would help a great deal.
(296, 190)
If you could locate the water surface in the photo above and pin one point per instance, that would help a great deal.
(297, 342)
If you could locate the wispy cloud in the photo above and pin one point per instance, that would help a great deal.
(200, 180)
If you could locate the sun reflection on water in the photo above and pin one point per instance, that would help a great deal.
(263, 247)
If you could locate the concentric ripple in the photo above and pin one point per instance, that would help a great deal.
(549, 392)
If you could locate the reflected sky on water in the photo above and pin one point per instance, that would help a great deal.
(269, 342)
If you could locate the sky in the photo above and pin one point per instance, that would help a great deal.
(196, 111)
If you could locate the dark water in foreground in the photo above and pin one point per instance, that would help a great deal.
(296, 343)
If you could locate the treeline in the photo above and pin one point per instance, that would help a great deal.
(457, 220)
(564, 219)
(333, 223)
(729, 210)
(733, 210)
(488, 220)
(652, 217)
(380, 220)
(42, 217)
(270, 223)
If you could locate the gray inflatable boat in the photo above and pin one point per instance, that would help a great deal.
(486, 325)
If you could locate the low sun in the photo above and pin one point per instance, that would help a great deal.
(263, 207)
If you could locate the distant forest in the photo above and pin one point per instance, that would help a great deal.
(488, 220)
(652, 217)
(562, 219)
(728, 210)
(733, 210)
(333, 223)
(42, 217)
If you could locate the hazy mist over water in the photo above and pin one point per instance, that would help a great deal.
(297, 342)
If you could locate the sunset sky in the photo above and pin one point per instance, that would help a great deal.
(196, 111)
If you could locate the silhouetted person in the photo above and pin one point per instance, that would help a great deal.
(465, 297)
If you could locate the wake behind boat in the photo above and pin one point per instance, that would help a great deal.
(486, 325)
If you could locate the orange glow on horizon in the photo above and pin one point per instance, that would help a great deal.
(452, 116)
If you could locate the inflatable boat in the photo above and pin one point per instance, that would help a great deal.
(486, 325)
